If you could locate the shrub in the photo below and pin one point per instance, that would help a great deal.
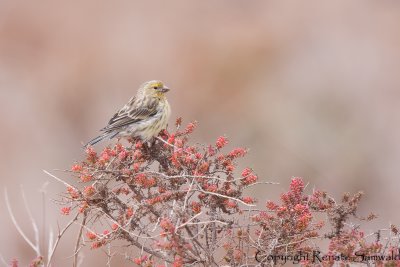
(173, 203)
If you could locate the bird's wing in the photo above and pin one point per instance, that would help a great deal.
(127, 115)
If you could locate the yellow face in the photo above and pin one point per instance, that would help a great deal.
(155, 88)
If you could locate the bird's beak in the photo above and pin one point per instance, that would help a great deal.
(164, 89)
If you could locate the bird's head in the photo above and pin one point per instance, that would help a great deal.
(154, 88)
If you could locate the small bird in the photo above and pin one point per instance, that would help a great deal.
(144, 116)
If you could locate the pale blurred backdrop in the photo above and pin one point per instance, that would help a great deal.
(312, 88)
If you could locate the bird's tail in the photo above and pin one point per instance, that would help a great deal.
(100, 138)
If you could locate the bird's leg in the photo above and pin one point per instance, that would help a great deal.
(131, 142)
(148, 146)
(152, 142)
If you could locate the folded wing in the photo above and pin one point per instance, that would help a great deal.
(127, 116)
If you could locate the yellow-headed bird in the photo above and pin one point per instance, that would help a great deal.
(144, 116)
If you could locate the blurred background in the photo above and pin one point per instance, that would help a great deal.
(311, 88)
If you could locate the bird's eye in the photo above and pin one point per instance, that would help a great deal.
(155, 87)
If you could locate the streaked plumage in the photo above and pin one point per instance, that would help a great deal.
(144, 116)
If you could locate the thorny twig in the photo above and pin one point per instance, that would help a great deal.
(78, 240)
(60, 234)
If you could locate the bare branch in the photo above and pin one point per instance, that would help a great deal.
(27, 240)
(44, 227)
(33, 222)
(51, 241)
(224, 196)
(3, 261)
(58, 179)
